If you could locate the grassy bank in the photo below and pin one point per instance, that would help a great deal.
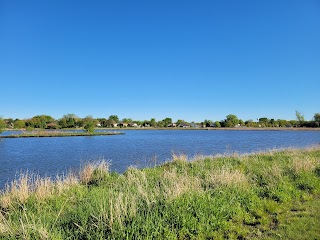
(59, 134)
(267, 195)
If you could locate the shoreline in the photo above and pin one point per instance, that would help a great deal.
(59, 134)
(221, 129)
(183, 129)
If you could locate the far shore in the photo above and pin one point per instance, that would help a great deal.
(218, 129)
(179, 128)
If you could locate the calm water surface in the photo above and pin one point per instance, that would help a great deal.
(49, 156)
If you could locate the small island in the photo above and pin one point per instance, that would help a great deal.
(60, 134)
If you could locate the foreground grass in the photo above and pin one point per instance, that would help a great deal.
(273, 195)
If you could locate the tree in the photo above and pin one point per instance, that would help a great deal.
(272, 122)
(3, 125)
(40, 121)
(284, 123)
(232, 120)
(89, 124)
(9, 122)
(317, 119)
(299, 117)
(167, 121)
(217, 123)
(263, 120)
(127, 120)
(69, 120)
(114, 118)
(251, 123)
(153, 122)
(207, 123)
(160, 124)
(180, 121)
(103, 122)
(18, 124)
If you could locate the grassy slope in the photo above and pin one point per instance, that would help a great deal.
(269, 195)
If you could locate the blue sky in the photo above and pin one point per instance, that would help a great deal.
(190, 60)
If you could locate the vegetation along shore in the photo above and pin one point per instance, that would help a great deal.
(71, 121)
(271, 195)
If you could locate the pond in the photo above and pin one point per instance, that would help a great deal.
(52, 156)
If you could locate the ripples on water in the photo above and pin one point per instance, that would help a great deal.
(49, 156)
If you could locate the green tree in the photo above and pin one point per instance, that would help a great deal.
(63, 122)
(3, 125)
(263, 120)
(251, 123)
(18, 124)
(316, 118)
(294, 123)
(284, 123)
(40, 121)
(114, 118)
(89, 124)
(217, 123)
(180, 121)
(161, 124)
(69, 120)
(153, 122)
(167, 121)
(299, 117)
(127, 120)
(103, 122)
(232, 120)
(272, 122)
(9, 122)
(207, 123)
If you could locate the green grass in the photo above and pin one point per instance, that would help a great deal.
(274, 195)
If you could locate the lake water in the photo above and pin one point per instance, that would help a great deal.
(49, 156)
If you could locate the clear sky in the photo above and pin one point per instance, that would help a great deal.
(190, 60)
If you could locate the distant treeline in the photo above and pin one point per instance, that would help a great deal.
(73, 121)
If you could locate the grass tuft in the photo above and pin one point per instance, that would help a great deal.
(93, 173)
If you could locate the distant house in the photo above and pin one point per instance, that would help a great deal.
(133, 125)
(172, 125)
(146, 124)
(184, 125)
(114, 124)
(123, 124)
(98, 124)
(194, 125)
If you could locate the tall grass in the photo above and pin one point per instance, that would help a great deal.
(234, 196)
